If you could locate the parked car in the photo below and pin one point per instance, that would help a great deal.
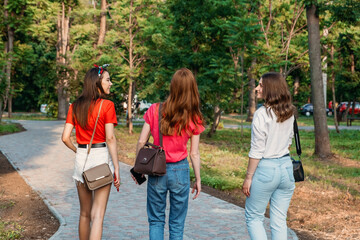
(308, 110)
(343, 105)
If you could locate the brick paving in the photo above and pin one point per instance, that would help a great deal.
(46, 164)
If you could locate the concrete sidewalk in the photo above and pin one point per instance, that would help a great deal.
(47, 165)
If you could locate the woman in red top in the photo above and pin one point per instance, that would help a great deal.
(82, 115)
(181, 121)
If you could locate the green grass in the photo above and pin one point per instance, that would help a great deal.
(224, 159)
(6, 204)
(30, 116)
(234, 119)
(346, 143)
(10, 230)
(8, 128)
(302, 120)
(309, 121)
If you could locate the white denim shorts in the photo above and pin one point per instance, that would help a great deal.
(96, 157)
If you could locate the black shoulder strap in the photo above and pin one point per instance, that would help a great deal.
(160, 134)
(297, 138)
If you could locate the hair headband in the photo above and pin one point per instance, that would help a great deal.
(101, 68)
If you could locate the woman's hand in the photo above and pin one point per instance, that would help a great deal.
(252, 166)
(117, 179)
(142, 176)
(197, 188)
(246, 186)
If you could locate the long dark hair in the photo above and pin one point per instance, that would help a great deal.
(277, 95)
(84, 105)
(182, 105)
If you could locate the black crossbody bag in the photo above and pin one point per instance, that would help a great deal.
(297, 164)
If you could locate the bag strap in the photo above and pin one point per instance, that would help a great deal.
(92, 137)
(160, 134)
(297, 138)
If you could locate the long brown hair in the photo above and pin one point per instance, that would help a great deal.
(84, 105)
(182, 105)
(277, 95)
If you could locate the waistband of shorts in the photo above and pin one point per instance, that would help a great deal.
(95, 145)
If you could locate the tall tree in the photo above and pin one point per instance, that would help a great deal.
(129, 19)
(282, 46)
(322, 141)
(63, 28)
(15, 20)
(9, 48)
(241, 33)
(102, 22)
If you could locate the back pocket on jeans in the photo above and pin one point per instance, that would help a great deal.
(290, 171)
(265, 174)
(182, 176)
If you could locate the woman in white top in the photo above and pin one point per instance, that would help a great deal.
(270, 173)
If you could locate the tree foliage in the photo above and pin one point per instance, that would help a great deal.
(227, 44)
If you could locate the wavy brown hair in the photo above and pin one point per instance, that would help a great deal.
(84, 105)
(183, 104)
(277, 96)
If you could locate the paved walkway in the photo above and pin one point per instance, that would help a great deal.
(46, 165)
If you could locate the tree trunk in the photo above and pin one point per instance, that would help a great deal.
(242, 93)
(10, 49)
(333, 90)
(9, 46)
(346, 112)
(252, 99)
(102, 23)
(131, 66)
(296, 85)
(352, 57)
(62, 47)
(322, 142)
(10, 102)
(216, 121)
(353, 107)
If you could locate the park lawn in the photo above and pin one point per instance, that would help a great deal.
(30, 116)
(234, 119)
(309, 121)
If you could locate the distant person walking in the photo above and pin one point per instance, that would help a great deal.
(82, 115)
(270, 172)
(181, 121)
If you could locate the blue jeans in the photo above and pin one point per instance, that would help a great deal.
(177, 183)
(273, 181)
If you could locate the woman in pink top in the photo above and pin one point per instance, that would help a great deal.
(181, 121)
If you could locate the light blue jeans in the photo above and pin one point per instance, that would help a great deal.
(273, 181)
(177, 183)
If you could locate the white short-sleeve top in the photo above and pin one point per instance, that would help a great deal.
(270, 139)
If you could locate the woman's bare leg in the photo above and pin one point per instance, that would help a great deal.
(85, 198)
(98, 209)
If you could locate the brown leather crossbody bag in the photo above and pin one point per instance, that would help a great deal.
(151, 158)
